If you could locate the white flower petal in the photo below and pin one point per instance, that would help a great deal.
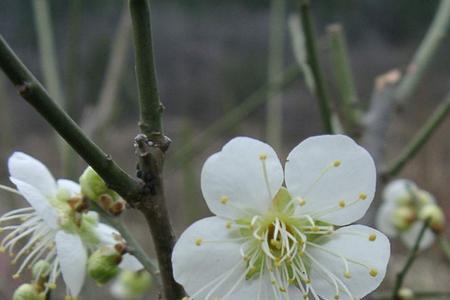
(397, 190)
(130, 263)
(39, 202)
(352, 243)
(31, 171)
(409, 237)
(72, 187)
(237, 173)
(384, 219)
(328, 170)
(107, 234)
(73, 259)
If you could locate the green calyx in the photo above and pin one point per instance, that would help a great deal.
(41, 269)
(103, 264)
(94, 187)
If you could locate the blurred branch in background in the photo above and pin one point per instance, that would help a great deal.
(377, 119)
(411, 293)
(274, 109)
(349, 101)
(420, 139)
(313, 60)
(444, 244)
(96, 119)
(425, 53)
(233, 117)
(48, 60)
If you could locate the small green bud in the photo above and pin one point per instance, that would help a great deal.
(130, 285)
(435, 214)
(403, 217)
(41, 269)
(103, 264)
(92, 185)
(27, 292)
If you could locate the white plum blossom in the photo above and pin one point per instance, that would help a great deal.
(402, 212)
(57, 228)
(269, 241)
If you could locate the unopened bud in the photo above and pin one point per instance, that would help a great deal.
(403, 217)
(27, 292)
(435, 214)
(92, 185)
(103, 264)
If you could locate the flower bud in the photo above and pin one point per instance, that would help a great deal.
(41, 269)
(434, 213)
(27, 292)
(403, 217)
(92, 185)
(103, 264)
(131, 285)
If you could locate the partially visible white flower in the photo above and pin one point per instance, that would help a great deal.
(404, 208)
(56, 229)
(273, 242)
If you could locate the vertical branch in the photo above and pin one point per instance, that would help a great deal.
(313, 61)
(426, 51)
(6, 134)
(150, 105)
(274, 111)
(151, 146)
(344, 77)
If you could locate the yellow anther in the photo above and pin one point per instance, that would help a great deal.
(16, 276)
(336, 163)
(337, 297)
(224, 199)
(228, 224)
(185, 298)
(2, 249)
(372, 237)
(308, 281)
(198, 241)
(277, 262)
(362, 196)
(301, 201)
(273, 282)
(305, 297)
(373, 272)
(347, 275)
(282, 289)
(315, 229)
(342, 203)
(263, 156)
(275, 243)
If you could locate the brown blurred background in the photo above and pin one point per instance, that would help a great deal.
(210, 55)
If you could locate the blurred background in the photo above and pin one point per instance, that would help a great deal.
(210, 57)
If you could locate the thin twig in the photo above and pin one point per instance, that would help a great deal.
(344, 77)
(425, 53)
(33, 92)
(313, 60)
(409, 262)
(420, 139)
